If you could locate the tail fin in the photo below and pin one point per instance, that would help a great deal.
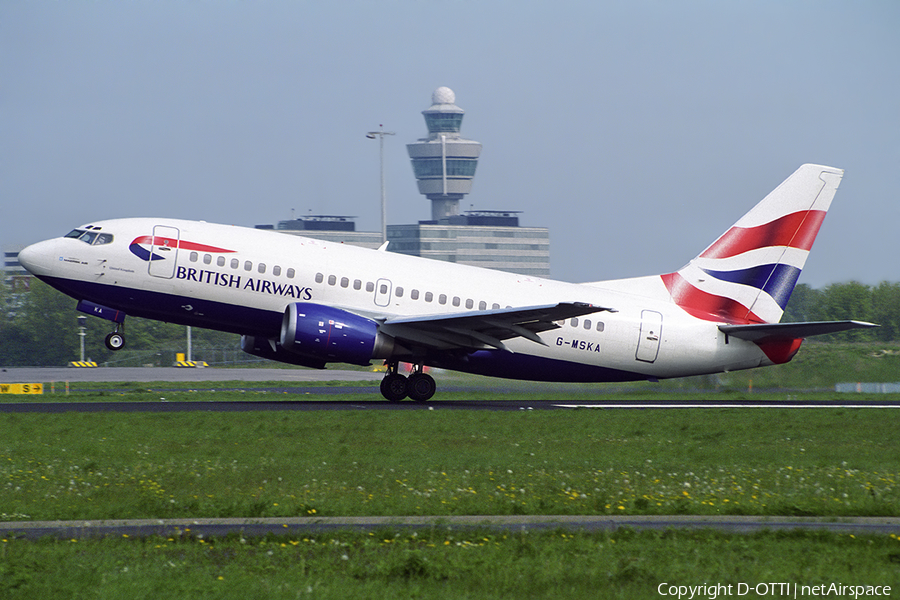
(748, 274)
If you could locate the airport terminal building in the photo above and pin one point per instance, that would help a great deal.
(490, 239)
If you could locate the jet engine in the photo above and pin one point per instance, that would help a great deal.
(331, 334)
(272, 350)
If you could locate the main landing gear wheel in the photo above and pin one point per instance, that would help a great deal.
(420, 387)
(115, 341)
(394, 387)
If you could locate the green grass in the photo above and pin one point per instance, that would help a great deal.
(817, 366)
(831, 462)
(441, 564)
(828, 462)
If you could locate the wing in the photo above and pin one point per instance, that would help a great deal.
(793, 331)
(475, 330)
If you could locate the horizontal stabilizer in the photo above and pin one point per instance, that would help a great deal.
(790, 331)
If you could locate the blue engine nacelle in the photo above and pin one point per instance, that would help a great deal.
(332, 334)
(272, 350)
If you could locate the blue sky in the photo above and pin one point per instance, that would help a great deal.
(635, 131)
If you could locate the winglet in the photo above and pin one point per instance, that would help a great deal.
(383, 247)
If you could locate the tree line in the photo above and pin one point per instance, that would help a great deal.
(841, 301)
(40, 328)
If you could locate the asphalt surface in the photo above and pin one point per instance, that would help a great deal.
(365, 403)
(204, 528)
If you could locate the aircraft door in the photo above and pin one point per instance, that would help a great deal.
(163, 251)
(651, 332)
(383, 292)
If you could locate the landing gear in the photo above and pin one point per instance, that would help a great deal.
(393, 387)
(420, 386)
(115, 340)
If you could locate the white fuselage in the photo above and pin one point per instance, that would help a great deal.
(240, 280)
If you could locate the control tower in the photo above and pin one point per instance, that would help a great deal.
(444, 163)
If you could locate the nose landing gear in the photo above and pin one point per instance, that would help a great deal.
(116, 340)
(419, 386)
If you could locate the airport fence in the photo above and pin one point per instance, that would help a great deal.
(213, 356)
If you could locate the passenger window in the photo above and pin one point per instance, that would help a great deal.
(414, 294)
(332, 279)
(345, 282)
(429, 296)
(574, 322)
(370, 287)
(235, 263)
(194, 257)
(398, 291)
(207, 259)
(470, 303)
(587, 323)
(276, 270)
(384, 288)
(442, 299)
(599, 325)
(482, 305)
(319, 278)
(455, 300)
(248, 266)
(290, 274)
(495, 306)
(261, 268)
(357, 284)
(220, 261)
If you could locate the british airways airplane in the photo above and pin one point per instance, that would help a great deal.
(309, 302)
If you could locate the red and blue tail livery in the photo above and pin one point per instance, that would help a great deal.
(748, 274)
(309, 303)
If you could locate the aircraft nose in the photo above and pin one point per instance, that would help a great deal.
(37, 258)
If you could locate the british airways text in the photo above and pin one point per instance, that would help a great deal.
(228, 280)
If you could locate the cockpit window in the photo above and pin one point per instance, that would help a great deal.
(88, 237)
(91, 237)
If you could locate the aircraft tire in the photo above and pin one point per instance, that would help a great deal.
(421, 387)
(394, 387)
(115, 341)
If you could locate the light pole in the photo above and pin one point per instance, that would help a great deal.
(81, 334)
(380, 135)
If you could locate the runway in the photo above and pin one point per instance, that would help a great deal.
(378, 404)
(205, 528)
(316, 397)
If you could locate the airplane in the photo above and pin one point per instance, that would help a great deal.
(310, 302)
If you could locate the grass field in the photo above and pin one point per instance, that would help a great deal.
(829, 462)
(441, 564)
